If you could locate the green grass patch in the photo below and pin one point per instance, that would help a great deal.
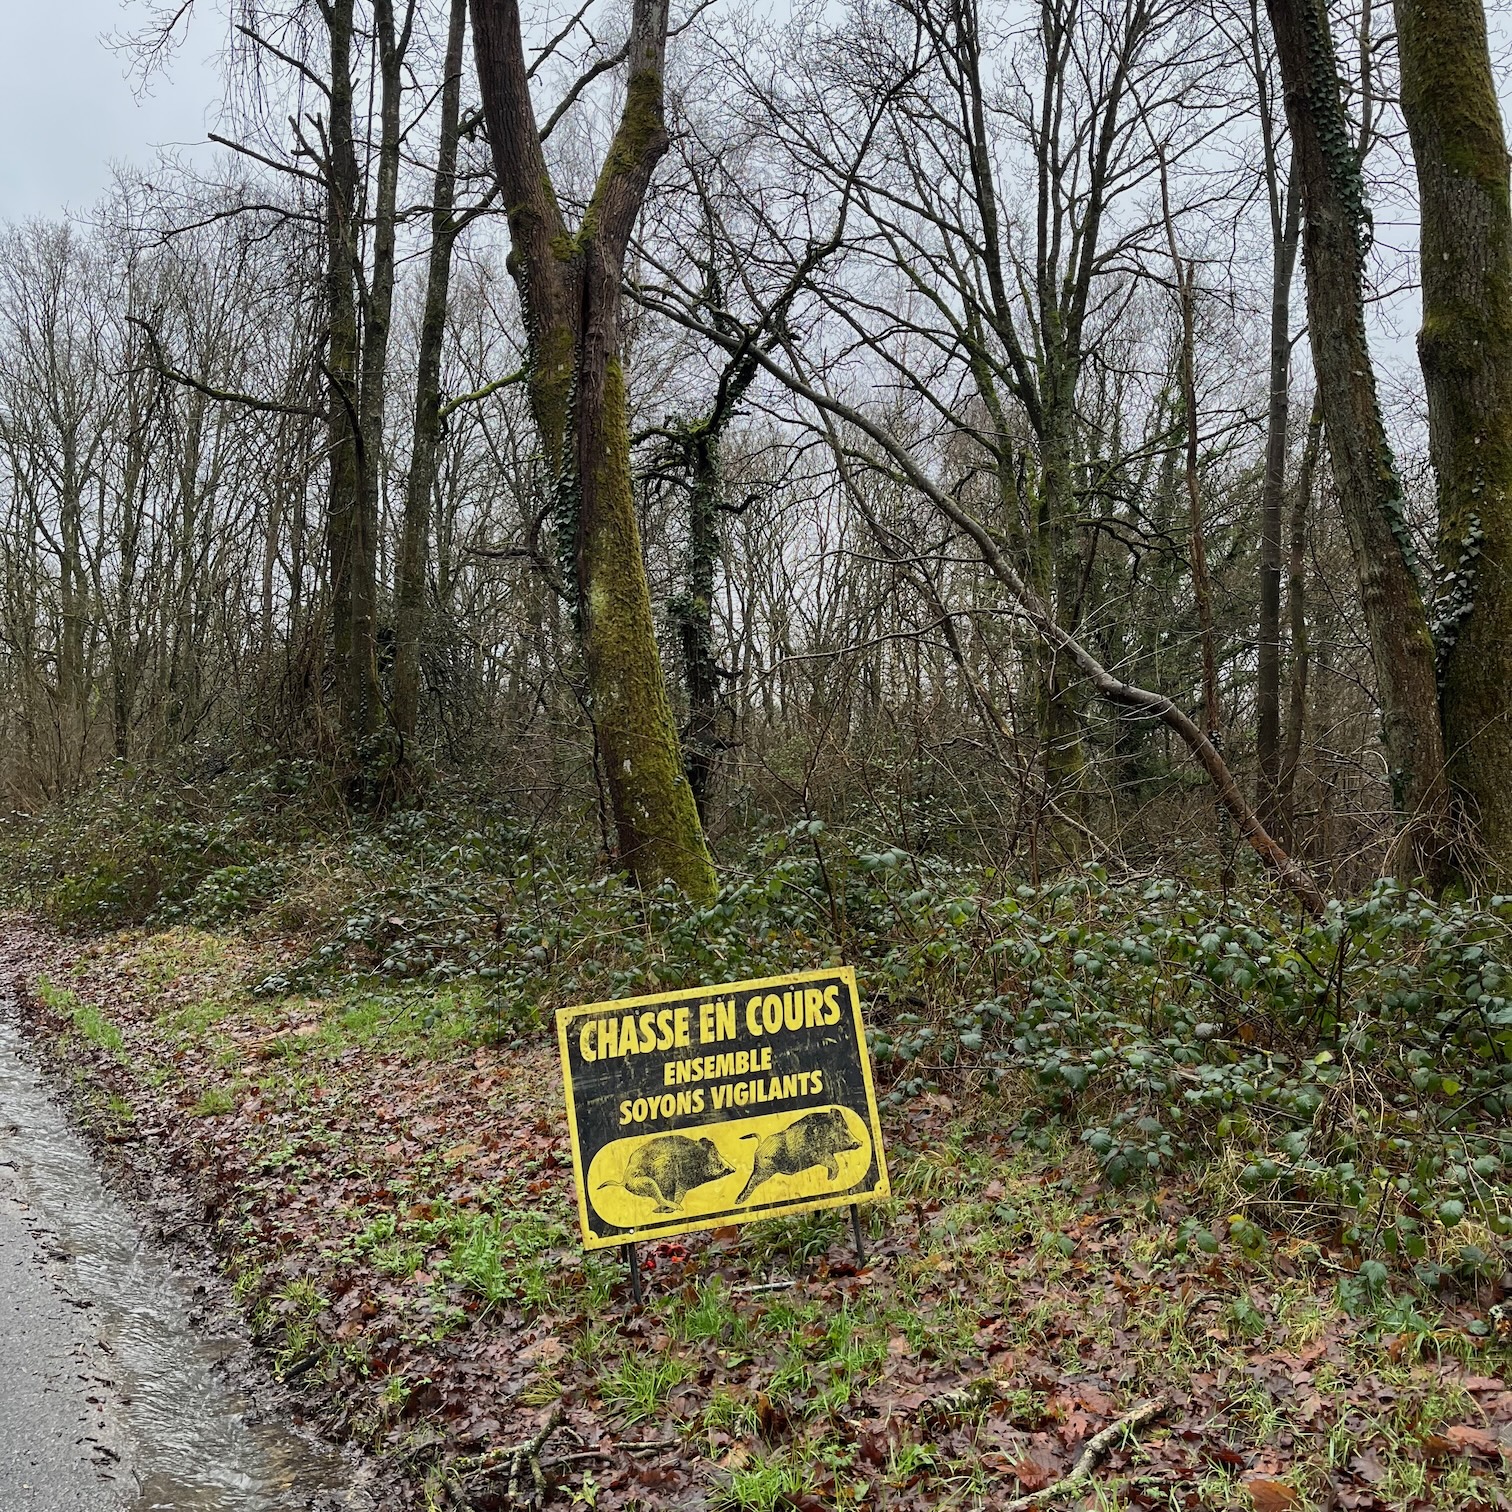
(86, 1018)
(639, 1385)
(768, 1484)
(213, 1102)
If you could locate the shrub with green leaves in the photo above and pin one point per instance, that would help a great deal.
(1356, 1069)
(140, 846)
(1351, 1073)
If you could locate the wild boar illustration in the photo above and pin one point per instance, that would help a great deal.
(815, 1139)
(667, 1168)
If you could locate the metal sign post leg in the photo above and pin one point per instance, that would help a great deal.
(856, 1230)
(632, 1259)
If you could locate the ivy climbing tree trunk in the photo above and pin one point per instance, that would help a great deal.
(702, 456)
(570, 286)
(693, 612)
(1465, 347)
(1370, 494)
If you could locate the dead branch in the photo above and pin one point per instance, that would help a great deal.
(1097, 1446)
(514, 1459)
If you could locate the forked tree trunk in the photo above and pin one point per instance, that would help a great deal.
(1370, 493)
(1465, 346)
(570, 285)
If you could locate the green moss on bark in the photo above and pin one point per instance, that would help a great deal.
(660, 836)
(1465, 346)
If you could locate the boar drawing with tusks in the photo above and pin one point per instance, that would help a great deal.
(815, 1139)
(666, 1169)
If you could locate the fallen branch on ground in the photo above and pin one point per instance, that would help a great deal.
(529, 1454)
(1097, 1446)
(513, 1459)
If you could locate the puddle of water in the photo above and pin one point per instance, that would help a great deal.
(196, 1444)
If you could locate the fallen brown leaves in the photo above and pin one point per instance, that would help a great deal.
(1008, 1315)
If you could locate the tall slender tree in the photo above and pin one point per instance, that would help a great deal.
(353, 618)
(409, 614)
(1285, 207)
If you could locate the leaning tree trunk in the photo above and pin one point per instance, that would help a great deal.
(1465, 346)
(570, 285)
(1370, 493)
(409, 615)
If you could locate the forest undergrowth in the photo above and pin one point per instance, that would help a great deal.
(1147, 1142)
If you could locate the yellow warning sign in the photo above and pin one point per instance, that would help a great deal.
(719, 1105)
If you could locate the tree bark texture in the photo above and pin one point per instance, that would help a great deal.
(1370, 496)
(409, 615)
(1465, 347)
(1286, 229)
(570, 286)
(348, 539)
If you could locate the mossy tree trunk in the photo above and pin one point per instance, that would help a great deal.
(570, 285)
(1334, 244)
(1465, 346)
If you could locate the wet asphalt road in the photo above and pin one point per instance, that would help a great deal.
(113, 1397)
(60, 1451)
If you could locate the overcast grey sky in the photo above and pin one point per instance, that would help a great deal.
(68, 111)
